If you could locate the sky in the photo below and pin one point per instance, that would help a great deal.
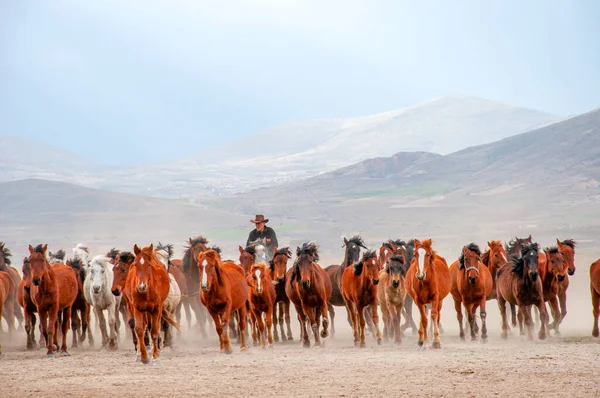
(138, 82)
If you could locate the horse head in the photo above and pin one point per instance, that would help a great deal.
(368, 266)
(529, 256)
(142, 266)
(195, 246)
(353, 246)
(209, 268)
(247, 257)
(258, 277)
(26, 274)
(123, 261)
(396, 269)
(100, 274)
(306, 255)
(423, 255)
(38, 263)
(279, 263)
(5, 256)
(497, 255)
(556, 263)
(469, 260)
(77, 265)
(567, 248)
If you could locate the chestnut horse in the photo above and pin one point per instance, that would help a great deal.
(567, 249)
(195, 246)
(223, 290)
(595, 290)
(428, 282)
(553, 271)
(147, 287)
(278, 269)
(8, 291)
(54, 289)
(407, 249)
(392, 294)
(112, 255)
(359, 288)
(309, 288)
(471, 284)
(518, 283)
(29, 308)
(334, 272)
(261, 297)
(5, 261)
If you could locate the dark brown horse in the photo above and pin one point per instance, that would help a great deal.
(335, 272)
(53, 290)
(278, 270)
(311, 291)
(428, 282)
(147, 288)
(223, 290)
(518, 283)
(471, 284)
(595, 291)
(392, 294)
(195, 246)
(5, 261)
(80, 311)
(359, 288)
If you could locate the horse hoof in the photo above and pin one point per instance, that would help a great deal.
(542, 336)
(271, 346)
(146, 361)
(462, 338)
(437, 345)
(596, 332)
(64, 354)
(244, 348)
(290, 338)
(504, 335)
(50, 356)
(483, 340)
(324, 334)
(420, 343)
(158, 363)
(276, 339)
(379, 342)
(363, 345)
(306, 344)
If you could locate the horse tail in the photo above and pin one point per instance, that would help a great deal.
(167, 317)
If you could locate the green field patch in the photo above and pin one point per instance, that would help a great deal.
(425, 190)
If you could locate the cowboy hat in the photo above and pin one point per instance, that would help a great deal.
(259, 218)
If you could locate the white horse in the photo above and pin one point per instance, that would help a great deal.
(96, 290)
(165, 253)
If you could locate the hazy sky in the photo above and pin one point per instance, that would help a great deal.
(165, 80)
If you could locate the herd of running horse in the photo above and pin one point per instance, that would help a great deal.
(149, 288)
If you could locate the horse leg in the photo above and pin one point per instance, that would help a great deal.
(257, 318)
(270, 326)
(276, 321)
(459, 318)
(513, 314)
(30, 329)
(85, 321)
(562, 297)
(325, 315)
(595, 311)
(396, 315)
(286, 312)
(66, 319)
(280, 319)
(408, 302)
(312, 318)
(242, 317)
(102, 323)
(543, 319)
(254, 328)
(332, 315)
(436, 309)
(521, 316)
(471, 318)
(502, 308)
(375, 321)
(188, 312)
(385, 314)
(75, 325)
(113, 317)
(555, 315)
(200, 316)
(354, 318)
(423, 341)
(19, 315)
(47, 324)
(219, 328)
(483, 315)
(536, 318)
(141, 324)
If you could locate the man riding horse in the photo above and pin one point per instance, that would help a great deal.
(261, 231)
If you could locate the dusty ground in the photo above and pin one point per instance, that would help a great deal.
(560, 366)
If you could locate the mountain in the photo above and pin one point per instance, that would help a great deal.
(304, 149)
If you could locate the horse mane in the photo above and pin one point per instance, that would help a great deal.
(60, 255)
(357, 240)
(216, 248)
(569, 242)
(410, 251)
(485, 257)
(5, 251)
(309, 248)
(112, 254)
(127, 257)
(166, 248)
(397, 258)
(387, 245)
(472, 247)
(358, 267)
(552, 249)
(83, 247)
(39, 249)
(398, 242)
(510, 246)
(284, 251)
(250, 250)
(519, 262)
(187, 255)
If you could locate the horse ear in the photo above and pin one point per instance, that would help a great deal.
(558, 242)
(31, 249)
(529, 237)
(151, 247)
(489, 244)
(136, 249)
(44, 248)
(345, 241)
(241, 249)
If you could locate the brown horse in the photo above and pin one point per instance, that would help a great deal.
(8, 291)
(29, 308)
(518, 283)
(392, 294)
(5, 261)
(312, 290)
(147, 288)
(595, 290)
(80, 322)
(223, 290)
(553, 271)
(195, 246)
(334, 272)
(54, 289)
(428, 281)
(567, 249)
(514, 246)
(278, 270)
(359, 288)
(112, 255)
(471, 284)
(261, 297)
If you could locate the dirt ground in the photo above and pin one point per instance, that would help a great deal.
(568, 365)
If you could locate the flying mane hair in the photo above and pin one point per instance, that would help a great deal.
(187, 255)
(519, 262)
(127, 257)
(5, 251)
(472, 247)
(60, 255)
(357, 240)
(112, 253)
(569, 242)
(358, 267)
(167, 248)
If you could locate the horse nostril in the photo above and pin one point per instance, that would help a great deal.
(472, 280)
(571, 271)
(375, 281)
(533, 276)
(37, 281)
(116, 292)
(560, 278)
